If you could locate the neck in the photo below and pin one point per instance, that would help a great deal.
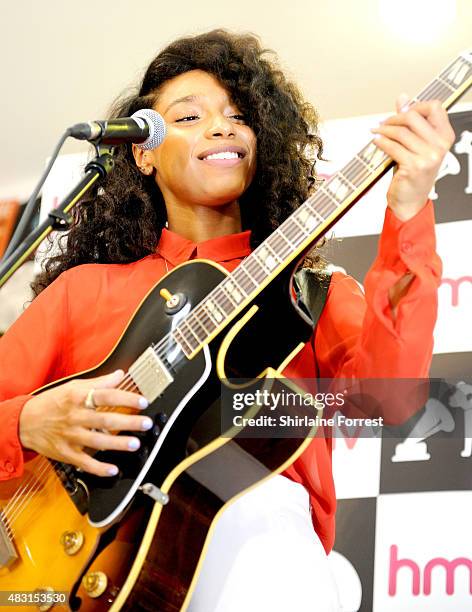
(199, 223)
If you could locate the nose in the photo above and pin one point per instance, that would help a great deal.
(220, 127)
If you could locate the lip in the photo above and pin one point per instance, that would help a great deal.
(221, 149)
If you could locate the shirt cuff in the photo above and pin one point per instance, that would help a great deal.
(11, 450)
(410, 246)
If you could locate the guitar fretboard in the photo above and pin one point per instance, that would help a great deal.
(307, 224)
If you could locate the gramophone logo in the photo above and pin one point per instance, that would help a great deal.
(437, 417)
(464, 146)
(451, 165)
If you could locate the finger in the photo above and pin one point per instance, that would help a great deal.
(118, 397)
(111, 421)
(421, 127)
(401, 102)
(435, 114)
(88, 464)
(107, 381)
(102, 441)
(394, 150)
(405, 137)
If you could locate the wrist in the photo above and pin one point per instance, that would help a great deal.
(405, 212)
(24, 429)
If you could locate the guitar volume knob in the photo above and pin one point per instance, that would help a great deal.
(72, 542)
(95, 584)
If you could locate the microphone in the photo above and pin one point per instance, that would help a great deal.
(145, 128)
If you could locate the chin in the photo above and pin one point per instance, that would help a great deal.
(221, 197)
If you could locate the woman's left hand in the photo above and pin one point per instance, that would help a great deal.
(418, 139)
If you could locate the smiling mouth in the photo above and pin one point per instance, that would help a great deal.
(223, 153)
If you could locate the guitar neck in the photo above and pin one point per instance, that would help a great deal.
(307, 224)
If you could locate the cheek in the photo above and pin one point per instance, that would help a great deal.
(253, 164)
(252, 146)
(172, 160)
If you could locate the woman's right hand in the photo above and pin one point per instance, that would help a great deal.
(58, 424)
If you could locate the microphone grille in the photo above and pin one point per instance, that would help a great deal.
(157, 127)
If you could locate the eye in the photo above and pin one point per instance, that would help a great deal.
(187, 118)
(239, 117)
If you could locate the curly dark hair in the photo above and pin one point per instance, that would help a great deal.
(121, 219)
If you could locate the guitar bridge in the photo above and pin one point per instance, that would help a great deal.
(8, 553)
(150, 375)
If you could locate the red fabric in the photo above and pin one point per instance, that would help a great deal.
(74, 323)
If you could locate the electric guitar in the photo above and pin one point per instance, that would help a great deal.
(135, 541)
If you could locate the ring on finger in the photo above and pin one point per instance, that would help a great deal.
(89, 401)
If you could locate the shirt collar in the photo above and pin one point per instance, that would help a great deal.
(177, 249)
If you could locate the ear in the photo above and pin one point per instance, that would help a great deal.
(140, 157)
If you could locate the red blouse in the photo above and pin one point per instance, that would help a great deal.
(74, 323)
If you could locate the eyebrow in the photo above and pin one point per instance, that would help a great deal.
(191, 98)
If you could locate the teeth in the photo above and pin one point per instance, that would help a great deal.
(223, 155)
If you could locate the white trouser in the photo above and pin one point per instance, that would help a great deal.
(265, 556)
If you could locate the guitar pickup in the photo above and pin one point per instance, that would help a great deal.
(150, 375)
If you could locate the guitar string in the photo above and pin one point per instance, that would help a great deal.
(30, 488)
(129, 382)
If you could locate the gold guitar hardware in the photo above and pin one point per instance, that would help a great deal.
(95, 583)
(166, 294)
(174, 302)
(44, 607)
(72, 542)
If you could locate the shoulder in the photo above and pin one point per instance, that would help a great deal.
(97, 272)
(86, 284)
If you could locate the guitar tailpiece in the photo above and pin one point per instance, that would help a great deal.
(155, 493)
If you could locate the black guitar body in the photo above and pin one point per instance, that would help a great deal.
(193, 398)
(207, 469)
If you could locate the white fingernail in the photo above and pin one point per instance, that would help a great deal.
(143, 403)
(112, 471)
(133, 444)
(147, 423)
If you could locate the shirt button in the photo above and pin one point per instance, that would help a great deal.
(406, 246)
(9, 467)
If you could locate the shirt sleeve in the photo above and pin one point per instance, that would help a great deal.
(31, 353)
(357, 335)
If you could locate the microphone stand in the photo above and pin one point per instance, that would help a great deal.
(59, 218)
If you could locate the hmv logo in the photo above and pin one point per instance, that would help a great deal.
(454, 285)
(438, 576)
